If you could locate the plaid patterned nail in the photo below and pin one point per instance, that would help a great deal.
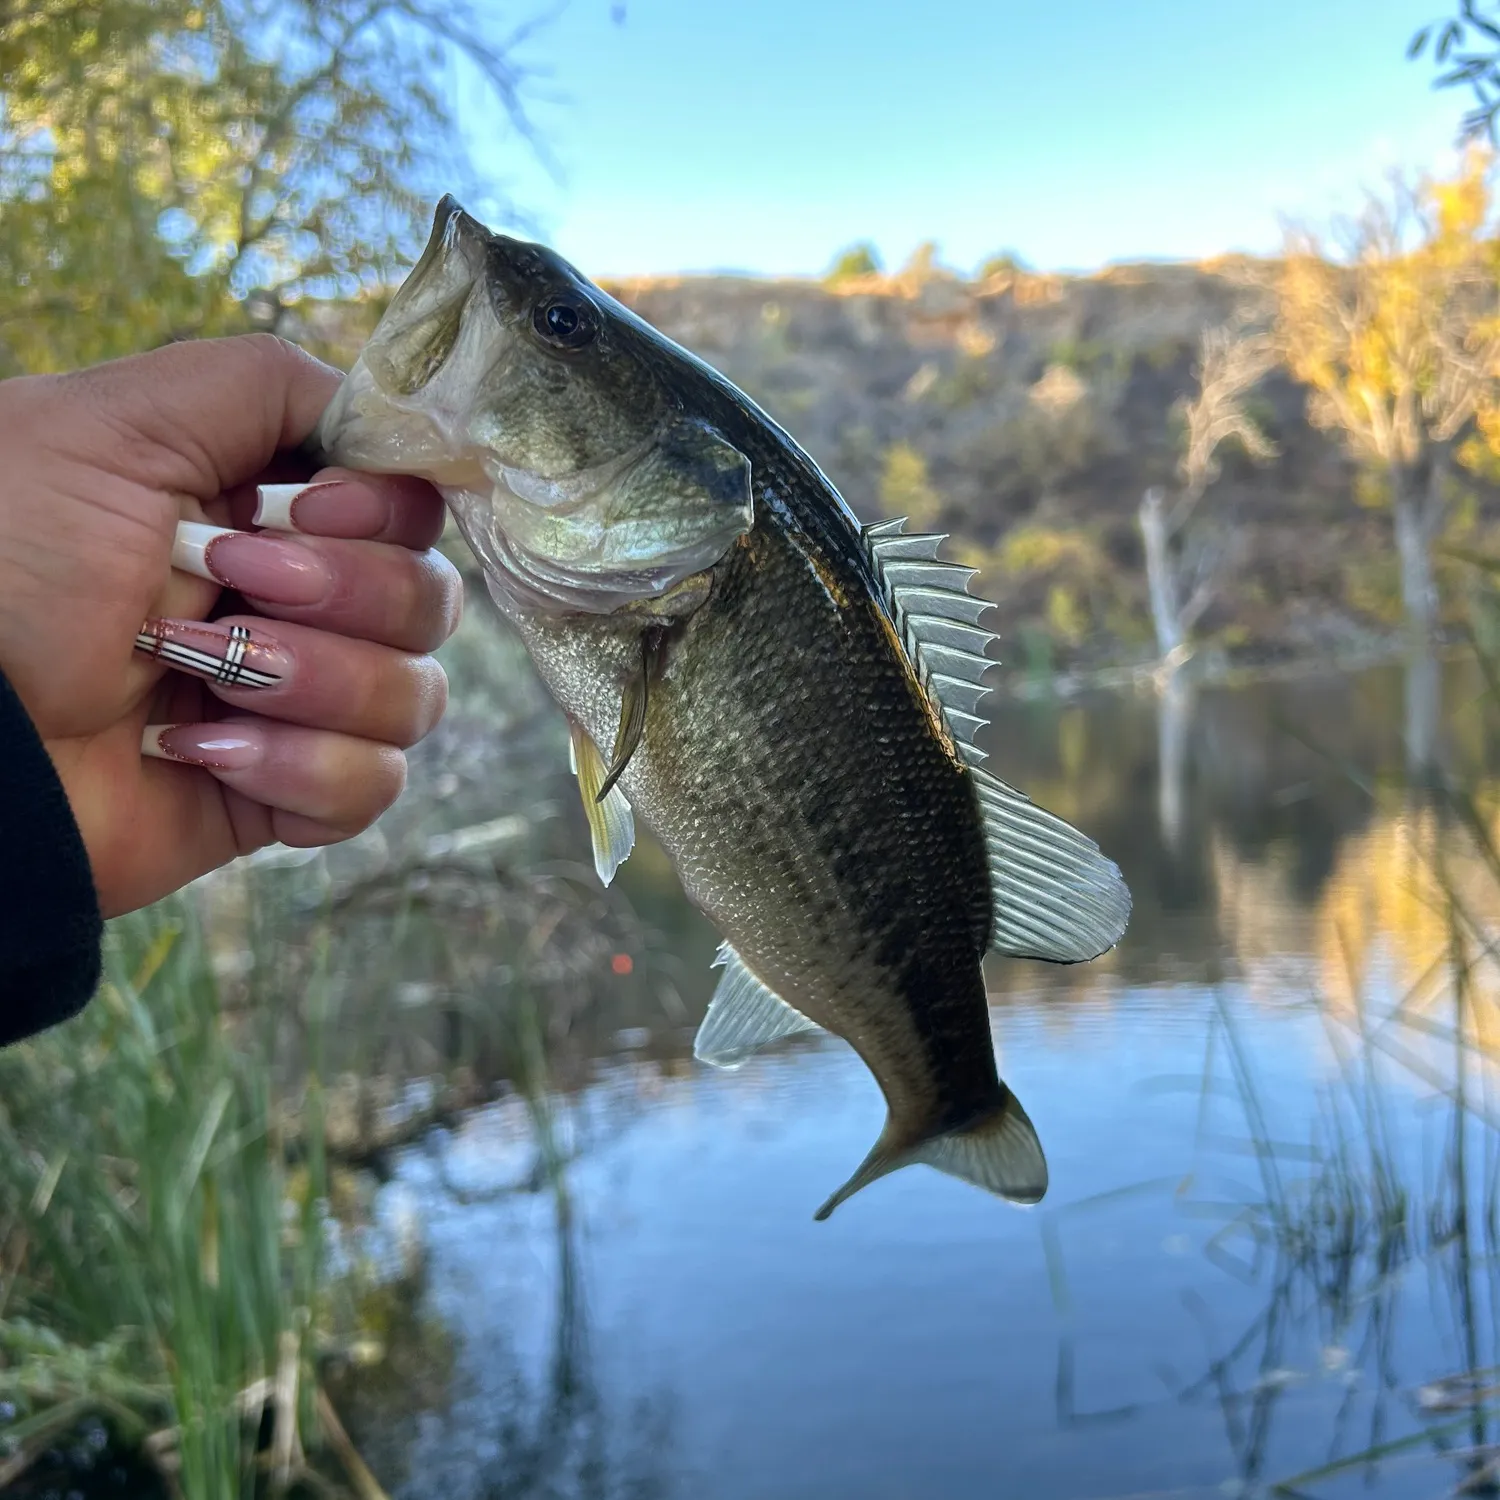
(227, 655)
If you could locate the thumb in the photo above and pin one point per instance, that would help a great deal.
(206, 414)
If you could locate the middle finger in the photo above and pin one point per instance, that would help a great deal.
(376, 591)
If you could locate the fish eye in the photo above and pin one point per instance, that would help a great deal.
(566, 322)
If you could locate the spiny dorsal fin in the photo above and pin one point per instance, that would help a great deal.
(1056, 896)
(938, 622)
(611, 822)
(743, 1016)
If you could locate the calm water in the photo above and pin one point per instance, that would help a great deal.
(1209, 1301)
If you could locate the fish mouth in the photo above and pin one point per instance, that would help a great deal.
(403, 405)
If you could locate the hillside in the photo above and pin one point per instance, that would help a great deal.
(1026, 415)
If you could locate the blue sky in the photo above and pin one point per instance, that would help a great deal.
(765, 135)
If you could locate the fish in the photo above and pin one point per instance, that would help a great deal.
(786, 698)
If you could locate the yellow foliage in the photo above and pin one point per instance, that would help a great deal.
(1391, 899)
(192, 167)
(1043, 549)
(905, 489)
(1067, 618)
(1479, 453)
(1400, 342)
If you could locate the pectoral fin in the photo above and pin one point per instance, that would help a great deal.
(632, 713)
(611, 822)
(743, 1016)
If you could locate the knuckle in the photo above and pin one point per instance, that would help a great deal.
(272, 349)
(390, 780)
(427, 601)
(429, 699)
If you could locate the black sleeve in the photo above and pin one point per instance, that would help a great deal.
(50, 927)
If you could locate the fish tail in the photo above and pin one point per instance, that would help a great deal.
(999, 1152)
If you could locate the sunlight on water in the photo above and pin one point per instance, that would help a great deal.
(1267, 1244)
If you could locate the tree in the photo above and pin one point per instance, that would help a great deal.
(1468, 47)
(183, 167)
(852, 264)
(1395, 330)
(906, 490)
(1182, 571)
(1006, 263)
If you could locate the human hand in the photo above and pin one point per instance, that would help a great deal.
(100, 468)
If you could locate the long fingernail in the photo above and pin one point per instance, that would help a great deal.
(267, 567)
(264, 567)
(230, 656)
(190, 547)
(330, 507)
(215, 747)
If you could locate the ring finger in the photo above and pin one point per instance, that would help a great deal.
(304, 676)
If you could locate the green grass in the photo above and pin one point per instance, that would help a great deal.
(161, 1268)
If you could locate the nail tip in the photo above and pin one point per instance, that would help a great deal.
(275, 506)
(151, 745)
(191, 546)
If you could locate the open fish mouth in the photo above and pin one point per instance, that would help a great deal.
(497, 373)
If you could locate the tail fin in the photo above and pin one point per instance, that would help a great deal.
(999, 1151)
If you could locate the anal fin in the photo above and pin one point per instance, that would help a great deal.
(743, 1016)
(611, 822)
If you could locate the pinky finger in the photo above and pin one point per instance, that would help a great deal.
(321, 786)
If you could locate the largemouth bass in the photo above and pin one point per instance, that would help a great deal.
(785, 698)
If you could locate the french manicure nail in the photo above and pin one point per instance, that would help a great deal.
(272, 568)
(190, 547)
(273, 505)
(230, 656)
(215, 747)
(329, 507)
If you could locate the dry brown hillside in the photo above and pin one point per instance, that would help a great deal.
(1026, 414)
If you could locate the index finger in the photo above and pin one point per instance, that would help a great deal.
(203, 416)
(397, 508)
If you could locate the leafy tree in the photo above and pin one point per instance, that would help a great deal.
(183, 167)
(1395, 329)
(906, 490)
(858, 260)
(1467, 47)
(1006, 263)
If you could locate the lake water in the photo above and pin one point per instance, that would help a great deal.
(1269, 1242)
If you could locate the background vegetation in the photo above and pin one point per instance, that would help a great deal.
(1231, 462)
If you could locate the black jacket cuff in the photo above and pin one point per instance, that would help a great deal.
(50, 927)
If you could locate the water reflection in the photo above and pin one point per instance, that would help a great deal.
(524, 1414)
(1269, 1255)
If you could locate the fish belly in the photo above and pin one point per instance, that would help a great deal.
(811, 811)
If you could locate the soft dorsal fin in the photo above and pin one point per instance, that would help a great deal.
(743, 1016)
(611, 822)
(1056, 896)
(938, 622)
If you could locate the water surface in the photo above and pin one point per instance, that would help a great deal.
(1269, 1237)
